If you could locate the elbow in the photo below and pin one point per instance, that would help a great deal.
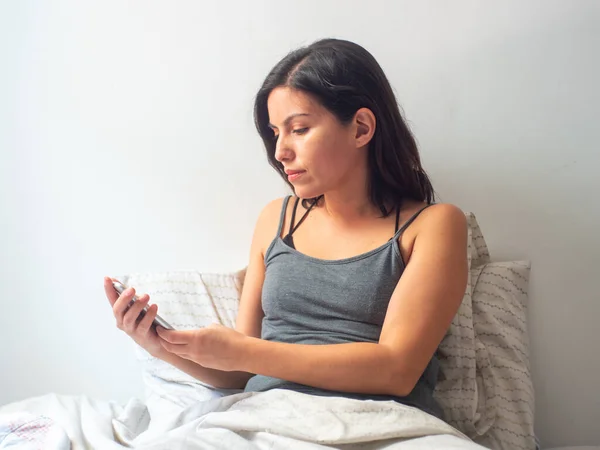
(233, 380)
(401, 382)
(402, 389)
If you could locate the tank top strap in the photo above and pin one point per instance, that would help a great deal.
(282, 217)
(293, 221)
(411, 220)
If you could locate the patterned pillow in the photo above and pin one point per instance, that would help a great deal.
(500, 323)
(486, 390)
(459, 389)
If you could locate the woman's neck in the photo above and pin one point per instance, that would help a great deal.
(348, 207)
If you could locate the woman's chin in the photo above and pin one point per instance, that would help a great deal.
(303, 192)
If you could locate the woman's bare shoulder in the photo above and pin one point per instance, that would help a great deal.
(268, 222)
(442, 219)
(271, 212)
(438, 218)
(434, 214)
(441, 214)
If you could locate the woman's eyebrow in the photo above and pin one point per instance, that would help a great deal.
(289, 119)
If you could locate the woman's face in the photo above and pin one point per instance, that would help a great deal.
(318, 153)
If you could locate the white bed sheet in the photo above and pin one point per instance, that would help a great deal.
(254, 421)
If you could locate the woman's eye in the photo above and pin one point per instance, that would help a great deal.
(297, 131)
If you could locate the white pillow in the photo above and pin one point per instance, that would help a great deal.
(187, 300)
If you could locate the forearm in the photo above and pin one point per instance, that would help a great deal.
(217, 378)
(355, 367)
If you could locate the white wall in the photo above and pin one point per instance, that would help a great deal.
(127, 144)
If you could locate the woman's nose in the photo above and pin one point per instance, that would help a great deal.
(282, 151)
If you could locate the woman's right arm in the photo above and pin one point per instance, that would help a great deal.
(248, 322)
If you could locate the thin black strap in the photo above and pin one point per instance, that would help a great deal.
(397, 219)
(294, 228)
(282, 217)
(409, 221)
(294, 215)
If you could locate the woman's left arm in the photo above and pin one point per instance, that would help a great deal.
(419, 313)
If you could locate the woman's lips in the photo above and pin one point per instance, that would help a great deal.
(294, 174)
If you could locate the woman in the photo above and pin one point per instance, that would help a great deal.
(352, 283)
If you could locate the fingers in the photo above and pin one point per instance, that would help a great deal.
(173, 336)
(131, 315)
(178, 349)
(122, 303)
(145, 323)
(110, 291)
(174, 341)
(125, 310)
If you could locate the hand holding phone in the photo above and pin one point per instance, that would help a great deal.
(120, 287)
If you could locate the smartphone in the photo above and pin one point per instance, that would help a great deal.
(120, 287)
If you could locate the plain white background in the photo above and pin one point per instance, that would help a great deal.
(127, 145)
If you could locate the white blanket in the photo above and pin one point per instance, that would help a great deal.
(266, 420)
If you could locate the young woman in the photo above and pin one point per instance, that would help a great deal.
(353, 281)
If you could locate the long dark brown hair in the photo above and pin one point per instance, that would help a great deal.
(344, 77)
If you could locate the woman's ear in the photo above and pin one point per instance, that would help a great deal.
(365, 123)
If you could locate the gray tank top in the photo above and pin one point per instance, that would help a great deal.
(314, 301)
